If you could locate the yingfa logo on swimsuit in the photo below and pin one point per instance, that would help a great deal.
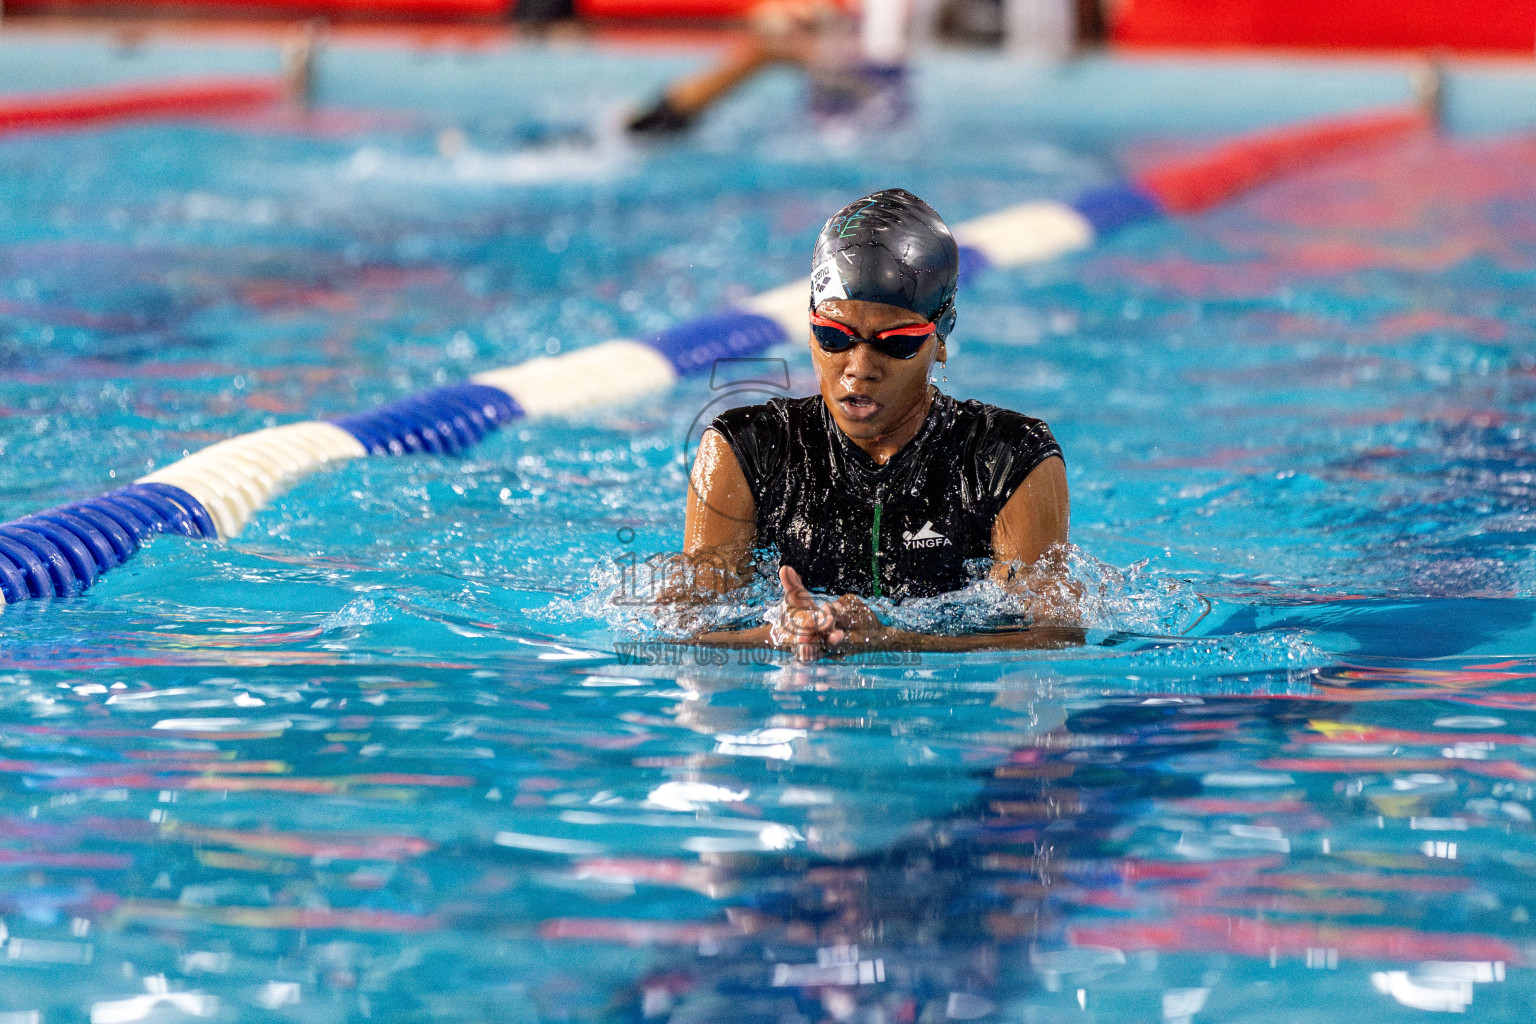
(927, 537)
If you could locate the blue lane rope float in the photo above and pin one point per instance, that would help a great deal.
(62, 551)
(213, 493)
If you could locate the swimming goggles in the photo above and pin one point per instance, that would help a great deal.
(898, 342)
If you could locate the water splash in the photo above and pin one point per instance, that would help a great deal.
(645, 598)
(1079, 589)
(362, 611)
(641, 597)
(596, 159)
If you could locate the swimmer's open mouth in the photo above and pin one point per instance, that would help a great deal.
(859, 407)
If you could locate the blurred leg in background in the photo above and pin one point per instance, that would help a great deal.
(856, 64)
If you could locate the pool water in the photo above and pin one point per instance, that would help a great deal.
(397, 753)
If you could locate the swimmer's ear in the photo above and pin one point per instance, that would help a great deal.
(941, 354)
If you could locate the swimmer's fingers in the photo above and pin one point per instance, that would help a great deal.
(796, 595)
(813, 621)
(806, 625)
(856, 624)
(797, 622)
(810, 643)
(851, 611)
(805, 630)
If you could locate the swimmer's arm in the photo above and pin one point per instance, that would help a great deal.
(1033, 639)
(863, 632)
(718, 531)
(1036, 517)
(1031, 531)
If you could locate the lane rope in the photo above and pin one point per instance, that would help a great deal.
(181, 98)
(214, 492)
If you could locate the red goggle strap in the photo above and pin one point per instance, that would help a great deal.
(911, 331)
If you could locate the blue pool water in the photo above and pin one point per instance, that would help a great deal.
(387, 756)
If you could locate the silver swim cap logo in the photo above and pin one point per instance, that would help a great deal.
(826, 282)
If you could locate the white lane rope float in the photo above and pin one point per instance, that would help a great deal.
(215, 491)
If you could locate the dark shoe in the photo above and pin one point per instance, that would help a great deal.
(661, 119)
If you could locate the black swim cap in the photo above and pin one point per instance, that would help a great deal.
(889, 247)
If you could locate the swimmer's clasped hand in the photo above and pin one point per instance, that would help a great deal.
(803, 624)
(812, 629)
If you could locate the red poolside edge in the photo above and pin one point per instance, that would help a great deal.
(1467, 26)
(380, 10)
(715, 11)
(118, 103)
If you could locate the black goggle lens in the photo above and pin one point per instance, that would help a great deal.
(897, 346)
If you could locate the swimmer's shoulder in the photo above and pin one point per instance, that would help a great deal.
(760, 435)
(777, 417)
(993, 421)
(1006, 445)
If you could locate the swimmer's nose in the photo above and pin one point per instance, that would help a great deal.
(863, 363)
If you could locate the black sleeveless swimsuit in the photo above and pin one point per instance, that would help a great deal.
(905, 529)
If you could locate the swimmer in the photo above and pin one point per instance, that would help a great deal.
(856, 66)
(881, 485)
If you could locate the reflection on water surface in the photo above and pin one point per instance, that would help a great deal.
(452, 845)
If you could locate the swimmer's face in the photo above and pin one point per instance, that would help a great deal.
(870, 394)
